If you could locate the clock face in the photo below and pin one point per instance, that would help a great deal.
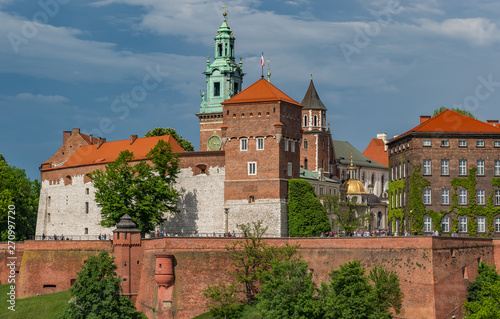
(214, 143)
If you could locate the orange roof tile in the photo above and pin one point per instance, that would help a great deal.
(109, 151)
(376, 151)
(452, 122)
(261, 91)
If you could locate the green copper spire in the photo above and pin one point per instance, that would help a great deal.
(224, 76)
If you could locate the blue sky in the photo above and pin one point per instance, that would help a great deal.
(377, 64)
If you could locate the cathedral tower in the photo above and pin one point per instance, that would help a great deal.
(224, 78)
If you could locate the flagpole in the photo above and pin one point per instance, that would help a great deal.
(262, 64)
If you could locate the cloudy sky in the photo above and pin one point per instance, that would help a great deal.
(120, 67)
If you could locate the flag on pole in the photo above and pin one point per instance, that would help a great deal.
(262, 59)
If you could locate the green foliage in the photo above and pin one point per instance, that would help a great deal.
(143, 191)
(18, 190)
(223, 299)
(160, 131)
(306, 215)
(442, 109)
(96, 292)
(484, 294)
(288, 292)
(252, 256)
(386, 291)
(345, 215)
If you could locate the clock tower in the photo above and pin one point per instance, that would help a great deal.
(224, 78)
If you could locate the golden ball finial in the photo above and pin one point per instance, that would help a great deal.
(224, 14)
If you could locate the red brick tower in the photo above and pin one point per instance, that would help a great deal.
(261, 135)
(317, 148)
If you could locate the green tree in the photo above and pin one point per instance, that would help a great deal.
(306, 215)
(464, 112)
(386, 291)
(345, 215)
(223, 299)
(487, 275)
(252, 256)
(160, 131)
(487, 305)
(96, 292)
(143, 191)
(22, 194)
(288, 292)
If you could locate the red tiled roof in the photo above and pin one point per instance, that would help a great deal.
(109, 151)
(376, 151)
(261, 91)
(452, 122)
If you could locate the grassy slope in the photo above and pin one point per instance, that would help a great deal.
(249, 312)
(42, 307)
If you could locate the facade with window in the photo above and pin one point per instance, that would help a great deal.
(439, 153)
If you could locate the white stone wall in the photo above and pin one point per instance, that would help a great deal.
(272, 212)
(61, 210)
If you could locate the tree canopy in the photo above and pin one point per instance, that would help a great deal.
(484, 293)
(345, 216)
(160, 131)
(144, 191)
(96, 292)
(20, 191)
(442, 109)
(306, 215)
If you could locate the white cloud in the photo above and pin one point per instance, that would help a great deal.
(38, 98)
(477, 31)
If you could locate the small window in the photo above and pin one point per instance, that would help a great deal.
(315, 120)
(426, 143)
(462, 224)
(497, 168)
(445, 224)
(305, 120)
(244, 144)
(497, 143)
(462, 198)
(87, 191)
(251, 199)
(480, 168)
(216, 88)
(497, 197)
(427, 167)
(497, 224)
(260, 143)
(480, 143)
(292, 145)
(321, 191)
(462, 143)
(480, 197)
(481, 224)
(427, 196)
(252, 168)
(427, 224)
(289, 170)
(86, 232)
(445, 197)
(445, 167)
(462, 167)
(287, 145)
(86, 207)
(445, 143)
(305, 144)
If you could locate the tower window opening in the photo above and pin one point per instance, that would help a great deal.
(315, 120)
(219, 49)
(305, 163)
(274, 109)
(236, 88)
(305, 145)
(305, 120)
(216, 88)
(232, 51)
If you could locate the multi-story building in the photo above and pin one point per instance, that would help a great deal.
(445, 176)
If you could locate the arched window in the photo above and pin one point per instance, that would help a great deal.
(379, 220)
(219, 47)
(315, 120)
(305, 144)
(67, 180)
(305, 163)
(305, 120)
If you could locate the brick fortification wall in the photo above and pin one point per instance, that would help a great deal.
(434, 271)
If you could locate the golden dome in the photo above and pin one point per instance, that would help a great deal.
(353, 186)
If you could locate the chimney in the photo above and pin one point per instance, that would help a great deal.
(424, 118)
(91, 139)
(76, 131)
(383, 137)
(493, 122)
(66, 135)
(100, 141)
(132, 139)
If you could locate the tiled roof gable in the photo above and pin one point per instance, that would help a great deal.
(261, 91)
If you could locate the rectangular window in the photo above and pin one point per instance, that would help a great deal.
(480, 144)
(462, 198)
(86, 207)
(321, 191)
(427, 167)
(260, 143)
(480, 168)
(462, 224)
(497, 168)
(289, 169)
(87, 191)
(445, 143)
(497, 143)
(427, 196)
(292, 146)
(481, 224)
(252, 168)
(497, 197)
(426, 143)
(480, 197)
(244, 144)
(427, 224)
(445, 167)
(404, 170)
(445, 224)
(445, 197)
(497, 224)
(216, 88)
(287, 146)
(462, 167)
(462, 143)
